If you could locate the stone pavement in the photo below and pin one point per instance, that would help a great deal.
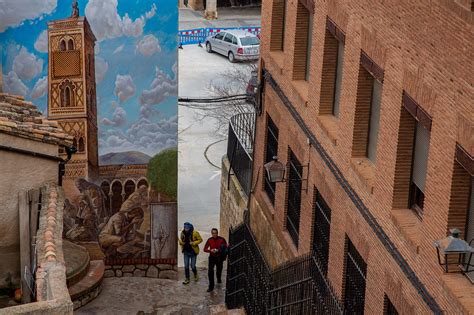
(155, 296)
(228, 17)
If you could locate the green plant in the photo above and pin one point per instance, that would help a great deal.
(163, 172)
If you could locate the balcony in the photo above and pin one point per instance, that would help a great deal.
(240, 148)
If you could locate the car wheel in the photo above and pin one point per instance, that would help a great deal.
(231, 57)
(208, 47)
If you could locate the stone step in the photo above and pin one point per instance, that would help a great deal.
(89, 287)
(77, 262)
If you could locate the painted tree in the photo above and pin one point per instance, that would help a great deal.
(163, 172)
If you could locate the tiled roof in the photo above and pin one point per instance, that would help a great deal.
(23, 119)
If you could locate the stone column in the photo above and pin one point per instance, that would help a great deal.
(211, 10)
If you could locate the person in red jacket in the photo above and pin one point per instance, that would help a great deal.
(216, 246)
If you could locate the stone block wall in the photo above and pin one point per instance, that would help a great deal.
(161, 271)
(233, 200)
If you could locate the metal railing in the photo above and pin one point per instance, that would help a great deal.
(240, 148)
(297, 287)
(199, 35)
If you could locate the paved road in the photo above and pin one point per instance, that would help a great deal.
(198, 180)
(131, 295)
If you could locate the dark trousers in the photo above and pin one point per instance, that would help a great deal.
(214, 261)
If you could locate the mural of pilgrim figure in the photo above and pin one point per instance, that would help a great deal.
(119, 236)
(95, 198)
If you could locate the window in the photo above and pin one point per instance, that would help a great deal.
(70, 44)
(66, 97)
(321, 230)
(419, 163)
(228, 38)
(374, 120)
(331, 80)
(81, 145)
(300, 60)
(389, 309)
(234, 40)
(367, 111)
(308, 48)
(277, 38)
(293, 206)
(220, 36)
(412, 156)
(62, 45)
(271, 151)
(339, 65)
(354, 280)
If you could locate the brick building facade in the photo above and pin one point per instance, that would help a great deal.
(369, 103)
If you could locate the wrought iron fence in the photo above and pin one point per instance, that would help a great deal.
(199, 35)
(240, 148)
(297, 287)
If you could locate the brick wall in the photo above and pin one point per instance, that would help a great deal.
(418, 46)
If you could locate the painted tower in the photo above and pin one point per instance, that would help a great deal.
(72, 90)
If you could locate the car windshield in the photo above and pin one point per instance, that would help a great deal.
(249, 41)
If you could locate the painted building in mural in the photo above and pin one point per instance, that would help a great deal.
(113, 88)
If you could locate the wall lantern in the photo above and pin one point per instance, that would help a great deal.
(455, 252)
(275, 170)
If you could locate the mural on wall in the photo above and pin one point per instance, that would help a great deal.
(106, 72)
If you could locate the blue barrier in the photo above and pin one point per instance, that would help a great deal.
(199, 35)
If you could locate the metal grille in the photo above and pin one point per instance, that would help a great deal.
(389, 309)
(240, 147)
(321, 230)
(271, 151)
(297, 287)
(356, 271)
(294, 198)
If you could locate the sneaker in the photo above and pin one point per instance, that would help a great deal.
(210, 290)
(196, 277)
(185, 282)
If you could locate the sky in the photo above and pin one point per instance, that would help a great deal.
(136, 65)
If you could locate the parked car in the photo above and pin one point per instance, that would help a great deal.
(235, 45)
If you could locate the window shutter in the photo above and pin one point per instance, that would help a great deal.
(420, 162)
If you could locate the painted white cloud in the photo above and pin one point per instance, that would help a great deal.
(40, 88)
(143, 135)
(148, 45)
(101, 68)
(119, 118)
(118, 49)
(41, 43)
(12, 84)
(124, 87)
(14, 12)
(132, 28)
(107, 23)
(161, 87)
(152, 12)
(26, 65)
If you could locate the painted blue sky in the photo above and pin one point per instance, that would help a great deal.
(136, 65)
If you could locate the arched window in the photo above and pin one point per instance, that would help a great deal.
(70, 44)
(81, 145)
(67, 94)
(74, 142)
(142, 182)
(62, 45)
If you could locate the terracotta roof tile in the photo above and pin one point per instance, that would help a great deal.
(23, 119)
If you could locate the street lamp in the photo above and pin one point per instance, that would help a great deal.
(275, 170)
(453, 247)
